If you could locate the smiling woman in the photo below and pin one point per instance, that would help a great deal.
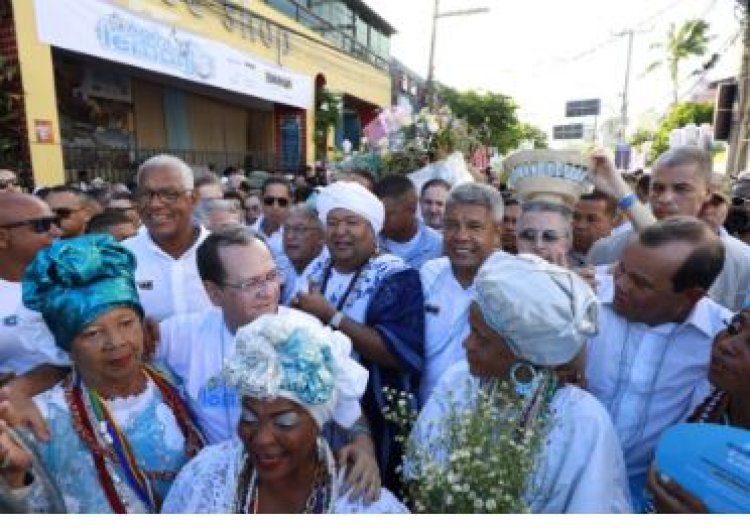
(120, 431)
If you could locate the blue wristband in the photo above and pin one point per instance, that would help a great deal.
(627, 201)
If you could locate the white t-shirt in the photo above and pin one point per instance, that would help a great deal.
(446, 321)
(275, 240)
(25, 340)
(167, 286)
(194, 346)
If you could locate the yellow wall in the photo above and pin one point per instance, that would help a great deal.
(343, 73)
(40, 101)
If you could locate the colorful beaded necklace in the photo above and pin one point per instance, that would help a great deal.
(106, 440)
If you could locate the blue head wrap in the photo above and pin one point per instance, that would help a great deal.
(74, 281)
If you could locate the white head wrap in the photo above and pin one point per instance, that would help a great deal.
(290, 356)
(353, 197)
(544, 312)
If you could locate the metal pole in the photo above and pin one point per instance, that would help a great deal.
(624, 111)
(431, 69)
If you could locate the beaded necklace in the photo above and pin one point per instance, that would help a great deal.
(713, 409)
(321, 496)
(107, 442)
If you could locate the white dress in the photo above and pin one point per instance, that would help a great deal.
(207, 485)
(580, 470)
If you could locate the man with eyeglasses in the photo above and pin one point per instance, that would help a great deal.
(304, 246)
(166, 274)
(72, 207)
(26, 226)
(276, 197)
(9, 181)
(544, 229)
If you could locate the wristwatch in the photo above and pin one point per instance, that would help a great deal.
(335, 321)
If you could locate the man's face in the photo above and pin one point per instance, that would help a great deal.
(678, 191)
(252, 209)
(128, 207)
(251, 284)
(399, 217)
(511, 214)
(9, 181)
(432, 206)
(544, 233)
(216, 219)
(470, 235)
(276, 203)
(72, 212)
(22, 242)
(644, 292)
(165, 206)
(210, 191)
(349, 237)
(303, 238)
(715, 212)
(591, 221)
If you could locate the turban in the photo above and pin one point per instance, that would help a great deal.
(352, 197)
(543, 312)
(294, 357)
(74, 281)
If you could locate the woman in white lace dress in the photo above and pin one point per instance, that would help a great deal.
(293, 377)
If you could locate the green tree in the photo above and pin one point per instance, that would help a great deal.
(491, 117)
(641, 136)
(689, 40)
(679, 116)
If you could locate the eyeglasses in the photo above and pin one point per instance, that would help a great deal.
(39, 225)
(532, 235)
(739, 201)
(270, 200)
(255, 283)
(170, 196)
(65, 212)
(298, 230)
(12, 182)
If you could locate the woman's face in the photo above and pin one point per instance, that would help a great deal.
(486, 351)
(108, 351)
(730, 356)
(279, 435)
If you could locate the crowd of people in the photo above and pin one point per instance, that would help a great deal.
(191, 344)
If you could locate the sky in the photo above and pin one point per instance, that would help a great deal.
(546, 52)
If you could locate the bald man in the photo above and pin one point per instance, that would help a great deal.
(26, 225)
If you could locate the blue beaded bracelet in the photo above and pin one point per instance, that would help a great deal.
(627, 201)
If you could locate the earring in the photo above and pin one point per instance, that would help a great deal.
(523, 388)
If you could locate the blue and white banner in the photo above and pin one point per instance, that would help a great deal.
(100, 29)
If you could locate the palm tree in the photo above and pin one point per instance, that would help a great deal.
(689, 40)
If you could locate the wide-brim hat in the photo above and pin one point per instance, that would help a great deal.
(553, 176)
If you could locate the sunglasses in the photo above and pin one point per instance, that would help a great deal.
(739, 201)
(4, 184)
(65, 212)
(547, 236)
(270, 200)
(39, 225)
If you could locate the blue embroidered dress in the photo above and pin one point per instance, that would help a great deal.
(150, 427)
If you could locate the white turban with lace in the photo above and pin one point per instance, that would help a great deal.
(292, 356)
(544, 312)
(353, 197)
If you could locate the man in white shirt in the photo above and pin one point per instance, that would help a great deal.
(472, 230)
(404, 234)
(26, 226)
(304, 247)
(679, 186)
(166, 273)
(654, 343)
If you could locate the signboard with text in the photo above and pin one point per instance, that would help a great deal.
(572, 131)
(583, 107)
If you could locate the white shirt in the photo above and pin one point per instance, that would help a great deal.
(580, 467)
(167, 285)
(446, 321)
(194, 346)
(314, 267)
(426, 244)
(275, 240)
(25, 340)
(646, 376)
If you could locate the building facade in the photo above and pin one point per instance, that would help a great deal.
(107, 83)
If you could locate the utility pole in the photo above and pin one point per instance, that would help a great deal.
(430, 90)
(624, 107)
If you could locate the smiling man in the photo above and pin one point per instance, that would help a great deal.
(166, 274)
(472, 230)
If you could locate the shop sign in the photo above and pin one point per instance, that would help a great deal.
(102, 30)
